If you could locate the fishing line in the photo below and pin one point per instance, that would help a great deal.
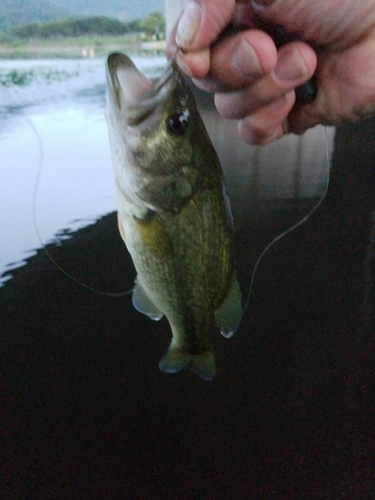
(289, 230)
(127, 292)
(35, 219)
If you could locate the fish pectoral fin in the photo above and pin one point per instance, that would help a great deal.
(228, 315)
(201, 363)
(121, 227)
(144, 304)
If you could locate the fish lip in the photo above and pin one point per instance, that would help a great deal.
(167, 79)
(146, 103)
(137, 107)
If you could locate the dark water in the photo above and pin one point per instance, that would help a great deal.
(86, 414)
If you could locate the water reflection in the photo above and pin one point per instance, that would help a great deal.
(75, 175)
(62, 141)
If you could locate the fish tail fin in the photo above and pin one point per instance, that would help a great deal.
(201, 363)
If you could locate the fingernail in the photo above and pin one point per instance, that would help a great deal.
(290, 66)
(245, 61)
(259, 5)
(188, 24)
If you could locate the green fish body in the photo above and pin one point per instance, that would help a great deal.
(173, 212)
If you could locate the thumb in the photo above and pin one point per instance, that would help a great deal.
(201, 21)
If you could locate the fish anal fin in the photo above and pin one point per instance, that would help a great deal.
(144, 304)
(228, 315)
(201, 363)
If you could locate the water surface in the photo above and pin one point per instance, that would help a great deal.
(55, 167)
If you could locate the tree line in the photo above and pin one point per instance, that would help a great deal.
(153, 25)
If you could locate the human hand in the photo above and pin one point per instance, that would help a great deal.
(254, 81)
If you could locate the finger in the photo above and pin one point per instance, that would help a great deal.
(296, 64)
(194, 64)
(242, 59)
(201, 22)
(171, 47)
(267, 124)
(196, 30)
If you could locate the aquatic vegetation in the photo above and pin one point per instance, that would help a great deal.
(15, 77)
(22, 78)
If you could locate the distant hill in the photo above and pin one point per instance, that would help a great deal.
(126, 10)
(18, 12)
(80, 26)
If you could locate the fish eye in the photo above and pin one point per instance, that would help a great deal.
(177, 124)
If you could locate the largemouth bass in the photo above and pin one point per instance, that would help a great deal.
(173, 211)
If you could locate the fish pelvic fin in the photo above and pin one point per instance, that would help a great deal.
(121, 227)
(201, 363)
(228, 316)
(143, 303)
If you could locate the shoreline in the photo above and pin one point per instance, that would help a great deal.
(78, 48)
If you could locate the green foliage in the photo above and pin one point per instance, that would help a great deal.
(23, 78)
(4, 38)
(97, 25)
(153, 24)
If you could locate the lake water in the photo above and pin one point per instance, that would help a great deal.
(55, 165)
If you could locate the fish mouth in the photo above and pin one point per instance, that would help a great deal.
(132, 93)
